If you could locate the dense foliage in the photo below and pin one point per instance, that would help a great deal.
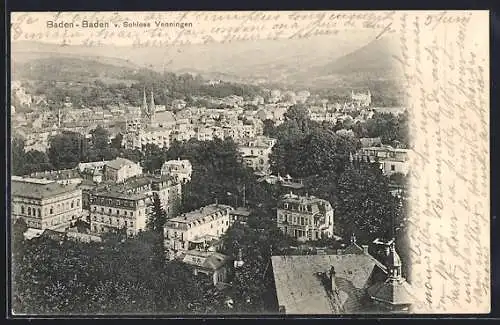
(307, 148)
(321, 158)
(90, 83)
(24, 163)
(114, 277)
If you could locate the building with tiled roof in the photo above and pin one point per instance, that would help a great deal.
(120, 169)
(213, 264)
(349, 282)
(391, 160)
(45, 204)
(255, 152)
(127, 205)
(305, 217)
(192, 229)
(63, 176)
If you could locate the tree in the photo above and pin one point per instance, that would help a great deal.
(217, 170)
(298, 113)
(317, 152)
(17, 160)
(36, 161)
(269, 128)
(365, 206)
(158, 217)
(116, 142)
(154, 157)
(66, 150)
(100, 138)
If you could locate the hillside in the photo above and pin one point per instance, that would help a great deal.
(63, 67)
(371, 59)
(250, 60)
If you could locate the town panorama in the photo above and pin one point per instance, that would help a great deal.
(140, 191)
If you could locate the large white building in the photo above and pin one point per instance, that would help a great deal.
(120, 169)
(196, 228)
(45, 204)
(305, 217)
(391, 160)
(128, 205)
(255, 152)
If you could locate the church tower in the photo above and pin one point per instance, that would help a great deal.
(144, 107)
(152, 107)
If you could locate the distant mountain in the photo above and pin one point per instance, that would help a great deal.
(372, 58)
(325, 61)
(26, 51)
(64, 67)
(371, 62)
(269, 59)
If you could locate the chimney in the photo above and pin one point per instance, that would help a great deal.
(365, 249)
(332, 279)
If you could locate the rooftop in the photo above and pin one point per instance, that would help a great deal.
(197, 215)
(57, 174)
(38, 188)
(207, 260)
(240, 211)
(121, 195)
(119, 163)
(302, 200)
(301, 288)
(393, 292)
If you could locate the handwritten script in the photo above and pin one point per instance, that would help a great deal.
(443, 57)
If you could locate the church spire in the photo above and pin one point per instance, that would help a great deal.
(394, 262)
(152, 106)
(144, 100)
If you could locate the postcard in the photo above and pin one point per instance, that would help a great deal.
(250, 162)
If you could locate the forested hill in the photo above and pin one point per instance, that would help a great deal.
(68, 68)
(90, 82)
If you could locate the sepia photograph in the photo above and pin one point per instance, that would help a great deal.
(249, 163)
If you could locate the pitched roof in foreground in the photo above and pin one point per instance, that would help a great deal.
(392, 292)
(303, 288)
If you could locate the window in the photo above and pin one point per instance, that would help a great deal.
(72, 204)
(117, 211)
(22, 209)
(131, 224)
(39, 212)
(109, 210)
(131, 214)
(51, 210)
(102, 210)
(29, 211)
(393, 168)
(125, 212)
(78, 202)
